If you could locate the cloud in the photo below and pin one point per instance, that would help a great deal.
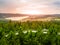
(56, 3)
(8, 5)
(48, 6)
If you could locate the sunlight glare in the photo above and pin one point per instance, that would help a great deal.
(33, 12)
(16, 18)
(23, 1)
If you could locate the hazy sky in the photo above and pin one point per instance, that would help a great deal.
(21, 6)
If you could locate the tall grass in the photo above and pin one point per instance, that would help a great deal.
(46, 33)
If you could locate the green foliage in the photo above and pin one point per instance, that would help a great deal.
(47, 33)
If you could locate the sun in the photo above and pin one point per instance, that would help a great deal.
(33, 12)
(29, 11)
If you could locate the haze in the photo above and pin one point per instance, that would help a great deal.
(30, 6)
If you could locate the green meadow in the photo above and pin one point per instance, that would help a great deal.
(30, 33)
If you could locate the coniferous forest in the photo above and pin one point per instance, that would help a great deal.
(30, 33)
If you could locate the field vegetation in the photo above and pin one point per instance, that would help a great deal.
(30, 33)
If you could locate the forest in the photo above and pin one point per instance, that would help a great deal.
(21, 33)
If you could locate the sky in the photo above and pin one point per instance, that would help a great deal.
(30, 6)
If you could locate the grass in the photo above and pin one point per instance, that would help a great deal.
(30, 33)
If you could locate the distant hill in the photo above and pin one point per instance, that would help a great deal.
(4, 15)
(17, 15)
(30, 17)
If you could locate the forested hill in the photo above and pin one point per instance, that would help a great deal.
(2, 15)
